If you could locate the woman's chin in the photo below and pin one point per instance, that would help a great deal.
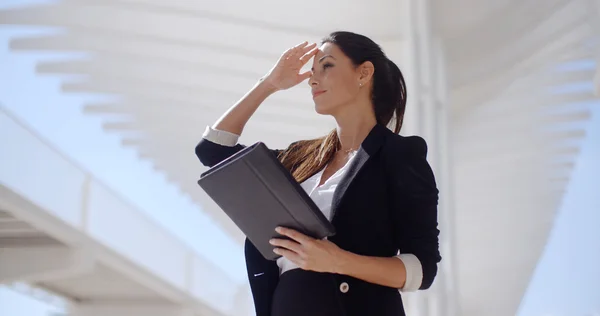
(323, 110)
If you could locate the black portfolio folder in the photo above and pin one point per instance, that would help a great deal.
(256, 191)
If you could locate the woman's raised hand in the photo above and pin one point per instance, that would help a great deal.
(286, 73)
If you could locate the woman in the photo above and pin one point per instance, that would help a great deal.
(375, 186)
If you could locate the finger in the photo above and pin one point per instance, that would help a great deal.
(288, 254)
(299, 51)
(293, 51)
(307, 48)
(295, 235)
(310, 54)
(287, 53)
(288, 244)
(300, 45)
(303, 76)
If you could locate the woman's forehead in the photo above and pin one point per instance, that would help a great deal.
(327, 49)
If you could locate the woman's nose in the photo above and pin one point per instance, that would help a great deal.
(312, 81)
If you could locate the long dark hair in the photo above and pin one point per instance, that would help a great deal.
(388, 95)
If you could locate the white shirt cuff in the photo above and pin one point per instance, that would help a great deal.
(223, 138)
(414, 272)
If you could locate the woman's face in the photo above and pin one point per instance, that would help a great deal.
(334, 81)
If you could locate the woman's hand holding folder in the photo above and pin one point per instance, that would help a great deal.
(319, 255)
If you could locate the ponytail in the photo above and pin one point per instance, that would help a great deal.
(389, 94)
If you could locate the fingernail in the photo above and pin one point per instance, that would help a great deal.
(278, 229)
(276, 251)
(271, 241)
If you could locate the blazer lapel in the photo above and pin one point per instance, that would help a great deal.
(368, 148)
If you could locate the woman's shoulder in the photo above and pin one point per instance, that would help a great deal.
(407, 157)
(406, 147)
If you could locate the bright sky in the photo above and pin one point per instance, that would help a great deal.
(566, 282)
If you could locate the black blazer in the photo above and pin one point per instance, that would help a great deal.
(387, 201)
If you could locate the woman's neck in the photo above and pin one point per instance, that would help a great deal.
(353, 128)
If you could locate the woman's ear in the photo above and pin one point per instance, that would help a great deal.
(366, 71)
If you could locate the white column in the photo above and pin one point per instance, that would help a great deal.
(409, 68)
(427, 115)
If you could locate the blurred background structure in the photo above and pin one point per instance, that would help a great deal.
(103, 101)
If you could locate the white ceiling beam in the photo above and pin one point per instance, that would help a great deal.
(495, 204)
(211, 106)
(566, 98)
(494, 35)
(175, 111)
(18, 229)
(196, 78)
(28, 241)
(525, 172)
(476, 153)
(495, 83)
(510, 156)
(178, 140)
(203, 72)
(194, 126)
(359, 19)
(147, 48)
(522, 197)
(556, 79)
(167, 26)
(516, 158)
(139, 89)
(525, 136)
(537, 102)
(99, 308)
(42, 264)
(528, 124)
(597, 81)
(488, 16)
(528, 43)
(181, 140)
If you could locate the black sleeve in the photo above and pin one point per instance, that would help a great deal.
(211, 153)
(263, 276)
(415, 200)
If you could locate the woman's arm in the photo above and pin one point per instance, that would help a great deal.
(415, 205)
(235, 118)
(324, 256)
(384, 271)
(220, 140)
(283, 76)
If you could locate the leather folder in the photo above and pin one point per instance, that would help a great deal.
(258, 194)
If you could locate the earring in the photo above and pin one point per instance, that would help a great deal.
(360, 84)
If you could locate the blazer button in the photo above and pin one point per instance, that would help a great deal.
(344, 287)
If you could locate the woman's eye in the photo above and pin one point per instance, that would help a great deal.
(325, 66)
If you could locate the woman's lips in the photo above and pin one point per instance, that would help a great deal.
(318, 93)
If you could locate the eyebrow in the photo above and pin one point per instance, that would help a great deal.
(321, 59)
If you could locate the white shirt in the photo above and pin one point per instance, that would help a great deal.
(323, 198)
